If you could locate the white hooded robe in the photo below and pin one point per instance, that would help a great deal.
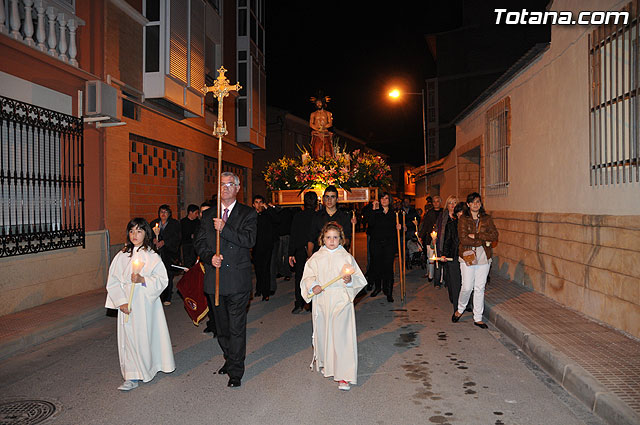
(144, 345)
(335, 346)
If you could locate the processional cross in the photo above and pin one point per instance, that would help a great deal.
(220, 90)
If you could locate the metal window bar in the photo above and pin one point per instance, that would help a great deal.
(614, 58)
(496, 157)
(41, 179)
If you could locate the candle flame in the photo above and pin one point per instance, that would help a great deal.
(434, 234)
(347, 270)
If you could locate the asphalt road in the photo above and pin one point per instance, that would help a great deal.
(415, 367)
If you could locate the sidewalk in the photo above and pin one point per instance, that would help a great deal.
(34, 326)
(598, 365)
(595, 363)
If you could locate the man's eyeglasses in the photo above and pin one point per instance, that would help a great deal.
(228, 185)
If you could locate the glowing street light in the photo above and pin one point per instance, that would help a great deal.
(395, 93)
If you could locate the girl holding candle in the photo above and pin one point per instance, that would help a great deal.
(476, 231)
(335, 351)
(136, 279)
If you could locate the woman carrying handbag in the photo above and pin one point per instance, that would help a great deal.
(477, 232)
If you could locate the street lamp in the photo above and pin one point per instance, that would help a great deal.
(395, 93)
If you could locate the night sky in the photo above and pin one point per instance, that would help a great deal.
(354, 52)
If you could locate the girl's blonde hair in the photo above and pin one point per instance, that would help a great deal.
(331, 225)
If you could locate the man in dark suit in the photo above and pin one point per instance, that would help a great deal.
(238, 227)
(167, 243)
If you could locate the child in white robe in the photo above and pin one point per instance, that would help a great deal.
(335, 346)
(144, 346)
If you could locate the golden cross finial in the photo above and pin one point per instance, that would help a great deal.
(220, 90)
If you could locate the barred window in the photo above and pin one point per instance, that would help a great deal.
(41, 179)
(614, 72)
(497, 142)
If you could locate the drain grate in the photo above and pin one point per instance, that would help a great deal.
(25, 412)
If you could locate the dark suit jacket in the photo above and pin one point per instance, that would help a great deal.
(236, 240)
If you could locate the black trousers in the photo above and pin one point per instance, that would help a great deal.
(168, 291)
(211, 322)
(382, 257)
(231, 324)
(301, 258)
(453, 277)
(262, 265)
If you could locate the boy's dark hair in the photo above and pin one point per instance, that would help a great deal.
(258, 197)
(192, 207)
(205, 204)
(310, 200)
(147, 244)
(331, 188)
(331, 225)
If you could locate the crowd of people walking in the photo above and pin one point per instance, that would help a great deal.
(313, 242)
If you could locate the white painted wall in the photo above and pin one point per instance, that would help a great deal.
(549, 153)
(28, 92)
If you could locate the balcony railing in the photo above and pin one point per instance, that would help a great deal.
(46, 25)
(41, 179)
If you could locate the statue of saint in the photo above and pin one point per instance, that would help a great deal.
(320, 121)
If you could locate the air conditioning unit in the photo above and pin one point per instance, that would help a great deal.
(102, 101)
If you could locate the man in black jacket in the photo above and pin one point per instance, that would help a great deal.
(298, 244)
(330, 212)
(238, 227)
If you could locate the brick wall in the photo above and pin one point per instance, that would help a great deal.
(590, 263)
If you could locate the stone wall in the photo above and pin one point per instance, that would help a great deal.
(31, 280)
(590, 263)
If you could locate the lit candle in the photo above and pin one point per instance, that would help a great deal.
(136, 267)
(156, 229)
(434, 235)
(347, 270)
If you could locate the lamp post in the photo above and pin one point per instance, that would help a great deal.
(395, 93)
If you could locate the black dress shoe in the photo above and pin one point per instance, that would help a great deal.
(234, 382)
(375, 292)
(223, 370)
(455, 318)
(265, 298)
(481, 325)
(207, 330)
(389, 298)
(296, 310)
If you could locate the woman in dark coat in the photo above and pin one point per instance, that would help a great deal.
(450, 250)
(383, 245)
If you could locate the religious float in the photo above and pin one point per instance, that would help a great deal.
(357, 175)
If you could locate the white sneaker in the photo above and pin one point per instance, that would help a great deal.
(344, 386)
(128, 385)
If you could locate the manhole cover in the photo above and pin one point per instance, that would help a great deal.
(25, 412)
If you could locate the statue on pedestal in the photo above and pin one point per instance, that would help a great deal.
(320, 121)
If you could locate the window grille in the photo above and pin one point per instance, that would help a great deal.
(41, 179)
(497, 141)
(614, 71)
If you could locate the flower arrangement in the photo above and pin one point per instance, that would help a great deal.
(282, 173)
(358, 169)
